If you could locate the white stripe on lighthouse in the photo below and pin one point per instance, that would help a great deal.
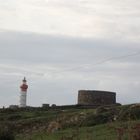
(23, 95)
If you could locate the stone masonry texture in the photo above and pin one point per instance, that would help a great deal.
(95, 97)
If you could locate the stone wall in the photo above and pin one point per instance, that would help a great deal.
(94, 97)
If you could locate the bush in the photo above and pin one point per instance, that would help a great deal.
(130, 113)
(13, 117)
(97, 119)
(6, 133)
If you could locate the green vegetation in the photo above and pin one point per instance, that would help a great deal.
(6, 133)
(100, 132)
(103, 123)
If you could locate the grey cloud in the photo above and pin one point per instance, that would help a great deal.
(30, 47)
(59, 66)
(96, 18)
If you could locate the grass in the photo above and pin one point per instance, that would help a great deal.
(100, 132)
(75, 124)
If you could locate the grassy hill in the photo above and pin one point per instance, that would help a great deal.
(103, 123)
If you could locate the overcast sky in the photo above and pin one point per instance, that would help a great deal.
(62, 46)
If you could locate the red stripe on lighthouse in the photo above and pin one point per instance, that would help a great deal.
(24, 86)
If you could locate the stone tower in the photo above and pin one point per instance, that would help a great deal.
(96, 97)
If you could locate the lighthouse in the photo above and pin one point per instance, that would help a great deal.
(23, 93)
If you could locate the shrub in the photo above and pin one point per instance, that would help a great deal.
(97, 119)
(130, 113)
(13, 117)
(6, 133)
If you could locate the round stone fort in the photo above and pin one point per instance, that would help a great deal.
(96, 97)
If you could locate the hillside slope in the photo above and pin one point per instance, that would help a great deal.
(101, 123)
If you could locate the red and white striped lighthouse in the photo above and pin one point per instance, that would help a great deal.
(23, 93)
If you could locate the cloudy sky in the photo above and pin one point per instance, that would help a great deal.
(62, 46)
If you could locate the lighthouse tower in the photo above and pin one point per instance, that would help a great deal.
(23, 93)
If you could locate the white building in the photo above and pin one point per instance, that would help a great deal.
(23, 93)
